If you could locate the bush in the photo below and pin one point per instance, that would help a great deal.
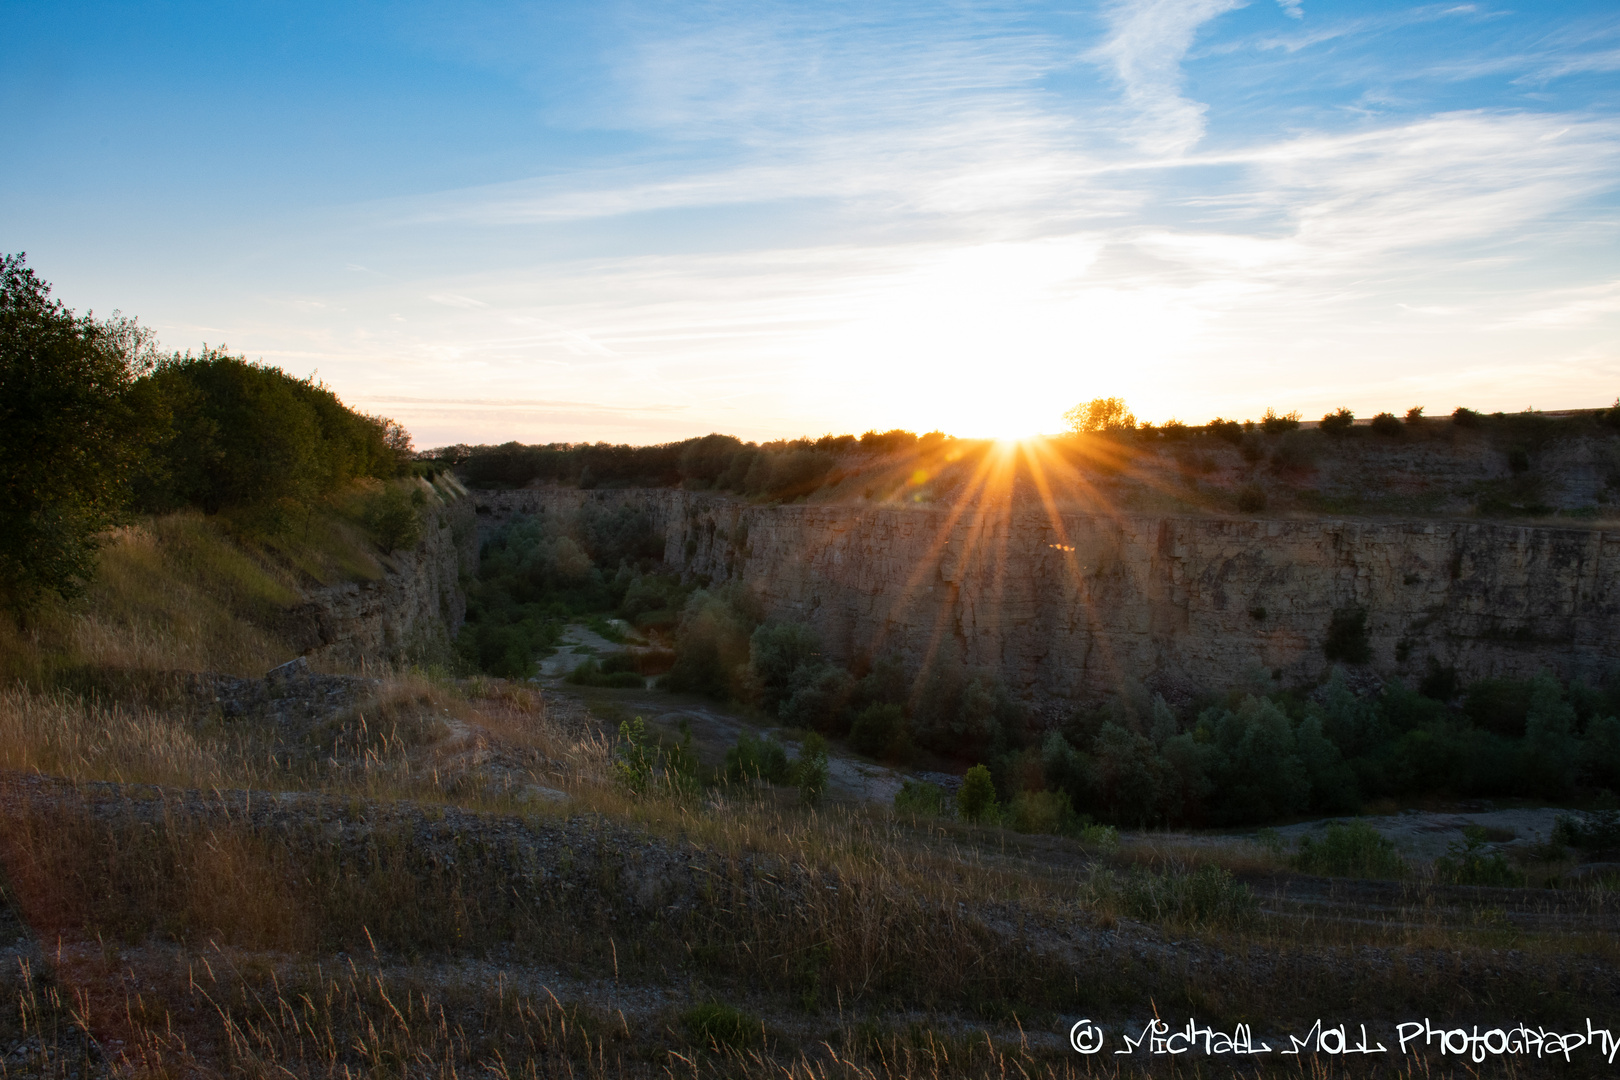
(634, 756)
(1414, 415)
(1208, 896)
(976, 801)
(1466, 862)
(1339, 422)
(1272, 424)
(1387, 423)
(393, 518)
(1353, 850)
(1593, 830)
(711, 647)
(1227, 430)
(920, 797)
(1251, 499)
(617, 672)
(811, 772)
(69, 436)
(1043, 812)
(880, 731)
(821, 700)
(1466, 418)
(776, 652)
(1347, 637)
(756, 759)
(715, 1026)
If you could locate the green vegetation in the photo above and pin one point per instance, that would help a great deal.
(1468, 862)
(811, 772)
(1355, 850)
(715, 1026)
(537, 573)
(757, 760)
(781, 470)
(97, 425)
(976, 800)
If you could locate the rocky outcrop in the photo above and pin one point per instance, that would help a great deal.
(1066, 606)
(410, 613)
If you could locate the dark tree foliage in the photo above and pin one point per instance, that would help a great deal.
(781, 470)
(69, 435)
(1339, 422)
(239, 434)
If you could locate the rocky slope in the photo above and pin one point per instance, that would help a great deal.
(411, 612)
(1067, 605)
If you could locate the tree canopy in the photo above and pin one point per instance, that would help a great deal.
(69, 434)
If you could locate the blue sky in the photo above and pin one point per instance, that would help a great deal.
(639, 222)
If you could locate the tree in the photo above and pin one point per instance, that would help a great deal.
(1100, 415)
(69, 435)
(976, 800)
(1339, 422)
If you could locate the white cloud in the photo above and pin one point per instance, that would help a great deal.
(1146, 43)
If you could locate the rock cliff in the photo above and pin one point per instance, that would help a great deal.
(1066, 606)
(411, 612)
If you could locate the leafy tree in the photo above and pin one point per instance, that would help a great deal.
(238, 434)
(1258, 775)
(757, 759)
(1131, 777)
(70, 435)
(711, 647)
(811, 772)
(1100, 415)
(1339, 422)
(821, 699)
(880, 731)
(1387, 423)
(776, 652)
(976, 799)
(1272, 424)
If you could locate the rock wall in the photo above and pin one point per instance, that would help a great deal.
(411, 613)
(1066, 606)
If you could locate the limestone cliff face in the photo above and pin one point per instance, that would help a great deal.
(410, 613)
(1065, 606)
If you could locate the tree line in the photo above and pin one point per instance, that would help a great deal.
(97, 424)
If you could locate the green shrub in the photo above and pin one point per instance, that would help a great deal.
(757, 759)
(1592, 830)
(1105, 837)
(1466, 862)
(713, 1026)
(880, 731)
(1272, 424)
(776, 651)
(920, 797)
(1339, 422)
(611, 673)
(634, 756)
(1388, 424)
(976, 801)
(811, 772)
(1043, 812)
(1206, 897)
(392, 518)
(1465, 418)
(1354, 850)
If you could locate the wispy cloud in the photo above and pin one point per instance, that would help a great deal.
(843, 216)
(1146, 43)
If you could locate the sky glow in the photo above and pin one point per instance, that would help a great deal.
(642, 222)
